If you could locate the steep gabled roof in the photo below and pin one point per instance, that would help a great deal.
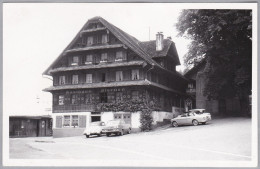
(195, 68)
(125, 38)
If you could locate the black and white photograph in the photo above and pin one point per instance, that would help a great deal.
(130, 84)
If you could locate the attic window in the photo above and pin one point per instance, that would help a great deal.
(103, 57)
(119, 56)
(89, 59)
(90, 40)
(75, 60)
(104, 38)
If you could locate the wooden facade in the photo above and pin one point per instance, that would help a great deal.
(103, 64)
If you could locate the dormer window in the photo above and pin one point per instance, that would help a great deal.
(89, 59)
(75, 61)
(103, 58)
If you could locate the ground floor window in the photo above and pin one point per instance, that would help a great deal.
(66, 121)
(75, 121)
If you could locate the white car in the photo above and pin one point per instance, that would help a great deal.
(95, 128)
(191, 118)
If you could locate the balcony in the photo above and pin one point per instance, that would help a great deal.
(90, 65)
(102, 46)
(93, 30)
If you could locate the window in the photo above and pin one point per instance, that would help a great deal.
(135, 74)
(103, 77)
(75, 120)
(103, 97)
(89, 59)
(75, 79)
(61, 100)
(103, 57)
(88, 98)
(119, 96)
(119, 56)
(119, 76)
(66, 121)
(75, 60)
(61, 80)
(135, 95)
(90, 40)
(74, 99)
(89, 78)
(104, 38)
(99, 38)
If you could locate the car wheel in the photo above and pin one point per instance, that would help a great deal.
(203, 123)
(129, 131)
(87, 136)
(195, 122)
(174, 124)
(108, 134)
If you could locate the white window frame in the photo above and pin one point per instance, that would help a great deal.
(117, 56)
(71, 124)
(119, 76)
(75, 79)
(88, 77)
(63, 121)
(90, 40)
(87, 60)
(135, 74)
(103, 58)
(75, 61)
(104, 38)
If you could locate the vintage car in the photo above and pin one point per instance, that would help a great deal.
(191, 118)
(117, 127)
(95, 128)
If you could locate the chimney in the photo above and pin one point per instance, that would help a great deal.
(159, 41)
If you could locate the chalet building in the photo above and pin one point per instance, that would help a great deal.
(103, 64)
(196, 99)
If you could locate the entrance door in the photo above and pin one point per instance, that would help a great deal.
(95, 118)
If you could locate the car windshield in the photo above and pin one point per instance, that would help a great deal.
(111, 123)
(95, 124)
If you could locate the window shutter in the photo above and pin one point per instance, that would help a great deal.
(58, 121)
(82, 121)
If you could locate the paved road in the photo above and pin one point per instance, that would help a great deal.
(221, 139)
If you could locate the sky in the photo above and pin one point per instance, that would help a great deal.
(35, 34)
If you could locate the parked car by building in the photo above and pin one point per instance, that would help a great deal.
(191, 118)
(118, 127)
(95, 128)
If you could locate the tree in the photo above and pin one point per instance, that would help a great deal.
(224, 39)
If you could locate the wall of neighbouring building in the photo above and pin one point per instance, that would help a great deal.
(30, 127)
